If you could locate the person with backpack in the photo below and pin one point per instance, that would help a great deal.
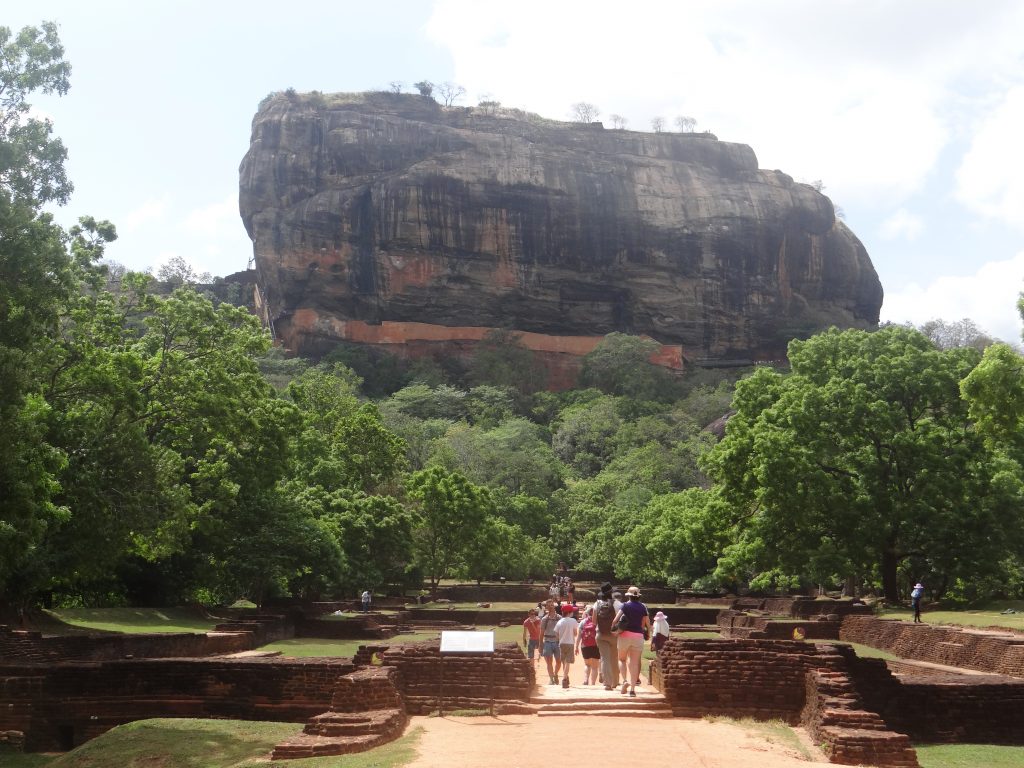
(586, 646)
(607, 639)
(634, 623)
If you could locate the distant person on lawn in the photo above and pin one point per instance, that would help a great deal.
(367, 598)
(532, 636)
(915, 600)
(566, 629)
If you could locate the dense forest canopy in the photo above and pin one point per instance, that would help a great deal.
(156, 448)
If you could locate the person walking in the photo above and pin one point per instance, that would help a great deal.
(586, 646)
(366, 599)
(532, 636)
(661, 631)
(635, 623)
(566, 629)
(549, 649)
(607, 640)
(915, 600)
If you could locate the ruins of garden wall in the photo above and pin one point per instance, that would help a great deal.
(982, 650)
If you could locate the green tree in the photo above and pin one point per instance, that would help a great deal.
(501, 360)
(862, 458)
(621, 365)
(451, 511)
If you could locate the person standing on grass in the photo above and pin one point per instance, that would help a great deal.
(631, 638)
(366, 599)
(915, 600)
(607, 640)
(549, 649)
(532, 636)
(566, 630)
(586, 645)
(661, 631)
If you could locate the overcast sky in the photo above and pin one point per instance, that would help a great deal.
(911, 112)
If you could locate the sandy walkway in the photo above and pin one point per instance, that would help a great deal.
(529, 741)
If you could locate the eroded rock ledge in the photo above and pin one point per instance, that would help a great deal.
(390, 208)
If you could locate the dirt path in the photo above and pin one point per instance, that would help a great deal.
(529, 741)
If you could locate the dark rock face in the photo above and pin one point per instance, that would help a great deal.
(382, 207)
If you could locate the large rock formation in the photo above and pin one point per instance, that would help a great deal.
(390, 210)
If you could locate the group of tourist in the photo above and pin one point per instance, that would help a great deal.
(610, 637)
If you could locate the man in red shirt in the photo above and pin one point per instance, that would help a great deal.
(531, 636)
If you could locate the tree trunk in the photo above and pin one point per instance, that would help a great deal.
(889, 585)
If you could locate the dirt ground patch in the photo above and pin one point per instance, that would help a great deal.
(528, 741)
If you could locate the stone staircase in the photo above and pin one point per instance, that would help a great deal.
(560, 702)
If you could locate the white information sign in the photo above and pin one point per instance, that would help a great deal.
(467, 642)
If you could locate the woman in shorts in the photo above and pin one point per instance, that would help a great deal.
(586, 646)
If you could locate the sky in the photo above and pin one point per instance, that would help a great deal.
(910, 112)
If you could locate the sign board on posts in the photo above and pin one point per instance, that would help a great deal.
(467, 642)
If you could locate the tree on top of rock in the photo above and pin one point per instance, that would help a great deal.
(584, 112)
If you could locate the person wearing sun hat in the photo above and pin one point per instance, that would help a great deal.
(634, 620)
(915, 600)
(661, 631)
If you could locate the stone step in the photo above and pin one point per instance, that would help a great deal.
(322, 746)
(621, 712)
(597, 706)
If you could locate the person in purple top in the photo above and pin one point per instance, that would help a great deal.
(631, 638)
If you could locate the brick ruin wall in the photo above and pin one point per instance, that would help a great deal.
(941, 706)
(739, 625)
(59, 706)
(469, 679)
(30, 646)
(777, 679)
(985, 651)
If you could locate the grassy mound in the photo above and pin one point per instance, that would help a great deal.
(187, 743)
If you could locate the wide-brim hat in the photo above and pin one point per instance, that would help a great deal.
(919, 585)
(634, 591)
(660, 615)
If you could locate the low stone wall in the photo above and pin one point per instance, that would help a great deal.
(59, 706)
(361, 627)
(941, 707)
(763, 679)
(740, 626)
(30, 646)
(775, 679)
(462, 680)
(850, 735)
(952, 646)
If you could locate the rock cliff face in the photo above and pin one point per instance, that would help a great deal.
(389, 209)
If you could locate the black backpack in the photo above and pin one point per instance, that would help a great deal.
(604, 616)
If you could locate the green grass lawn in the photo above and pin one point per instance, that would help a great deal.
(301, 647)
(969, 756)
(987, 616)
(188, 743)
(134, 620)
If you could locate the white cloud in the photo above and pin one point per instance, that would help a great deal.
(216, 219)
(902, 224)
(147, 213)
(988, 297)
(845, 96)
(991, 178)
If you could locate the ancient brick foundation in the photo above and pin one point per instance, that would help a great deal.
(30, 646)
(776, 679)
(982, 650)
(739, 625)
(461, 680)
(366, 711)
(941, 706)
(58, 706)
